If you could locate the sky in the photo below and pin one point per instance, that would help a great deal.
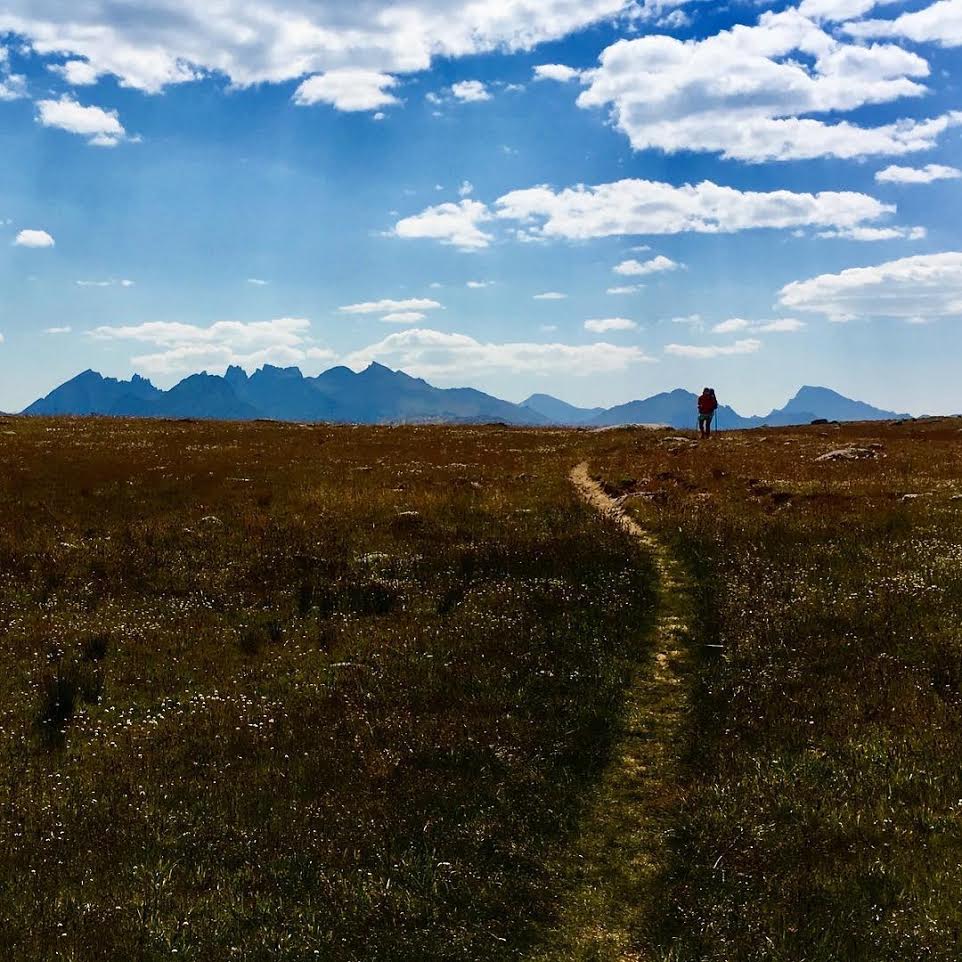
(596, 199)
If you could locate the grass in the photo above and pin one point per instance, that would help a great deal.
(277, 692)
(823, 813)
(291, 693)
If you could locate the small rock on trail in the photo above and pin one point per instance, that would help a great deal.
(852, 454)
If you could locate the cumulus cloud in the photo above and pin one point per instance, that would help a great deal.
(183, 348)
(783, 325)
(348, 89)
(470, 91)
(637, 207)
(272, 41)
(12, 86)
(836, 10)
(939, 23)
(34, 238)
(704, 352)
(657, 265)
(466, 189)
(927, 286)
(603, 325)
(917, 175)
(77, 73)
(869, 234)
(433, 354)
(731, 326)
(749, 93)
(556, 71)
(102, 128)
(391, 306)
(634, 207)
(551, 296)
(452, 224)
(626, 289)
(404, 317)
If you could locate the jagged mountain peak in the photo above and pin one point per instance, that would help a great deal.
(380, 395)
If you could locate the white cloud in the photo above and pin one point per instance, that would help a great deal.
(257, 282)
(189, 347)
(548, 328)
(939, 23)
(657, 265)
(470, 91)
(638, 207)
(466, 189)
(926, 286)
(58, 330)
(731, 326)
(102, 128)
(348, 89)
(784, 325)
(836, 10)
(111, 283)
(551, 296)
(735, 325)
(433, 354)
(869, 234)
(390, 306)
(626, 289)
(404, 317)
(749, 93)
(453, 224)
(273, 41)
(556, 71)
(77, 73)
(34, 238)
(703, 352)
(479, 285)
(917, 175)
(12, 86)
(603, 325)
(659, 11)
(691, 320)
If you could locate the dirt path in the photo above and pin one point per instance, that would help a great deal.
(613, 867)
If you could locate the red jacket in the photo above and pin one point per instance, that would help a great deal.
(707, 404)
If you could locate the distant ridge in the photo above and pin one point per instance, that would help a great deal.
(378, 395)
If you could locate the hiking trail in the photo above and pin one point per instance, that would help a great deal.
(613, 866)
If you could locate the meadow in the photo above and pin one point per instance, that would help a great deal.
(281, 692)
(822, 813)
(286, 692)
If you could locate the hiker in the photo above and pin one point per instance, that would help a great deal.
(707, 406)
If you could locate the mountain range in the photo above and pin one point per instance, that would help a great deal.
(378, 395)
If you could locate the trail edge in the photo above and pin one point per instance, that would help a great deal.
(614, 867)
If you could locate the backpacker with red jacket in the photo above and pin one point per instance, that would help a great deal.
(707, 403)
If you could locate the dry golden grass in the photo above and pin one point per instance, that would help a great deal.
(823, 819)
(278, 692)
(274, 692)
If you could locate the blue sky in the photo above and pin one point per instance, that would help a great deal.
(755, 196)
